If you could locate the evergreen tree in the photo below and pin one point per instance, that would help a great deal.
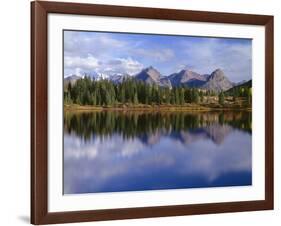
(177, 96)
(93, 99)
(122, 94)
(221, 98)
(136, 101)
(106, 93)
(249, 95)
(196, 96)
(181, 96)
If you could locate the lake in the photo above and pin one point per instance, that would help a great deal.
(113, 151)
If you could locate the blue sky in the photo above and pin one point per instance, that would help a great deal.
(111, 53)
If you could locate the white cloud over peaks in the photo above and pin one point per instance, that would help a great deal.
(157, 54)
(123, 65)
(88, 63)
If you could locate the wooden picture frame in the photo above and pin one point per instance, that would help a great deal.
(39, 112)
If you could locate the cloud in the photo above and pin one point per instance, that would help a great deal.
(80, 65)
(91, 52)
(123, 65)
(129, 53)
(156, 54)
(90, 65)
(235, 58)
(94, 43)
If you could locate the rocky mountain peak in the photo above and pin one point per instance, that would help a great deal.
(151, 76)
(149, 73)
(218, 81)
(217, 74)
(152, 72)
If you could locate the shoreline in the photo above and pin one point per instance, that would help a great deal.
(167, 108)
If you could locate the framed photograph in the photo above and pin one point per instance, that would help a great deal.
(147, 112)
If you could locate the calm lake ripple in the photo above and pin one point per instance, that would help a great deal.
(114, 151)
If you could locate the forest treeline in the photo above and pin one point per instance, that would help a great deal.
(86, 91)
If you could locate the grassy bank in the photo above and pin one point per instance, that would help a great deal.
(143, 107)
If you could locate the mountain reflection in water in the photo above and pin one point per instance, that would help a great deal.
(114, 151)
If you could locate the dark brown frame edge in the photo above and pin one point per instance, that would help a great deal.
(39, 108)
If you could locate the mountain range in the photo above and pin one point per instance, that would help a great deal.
(216, 81)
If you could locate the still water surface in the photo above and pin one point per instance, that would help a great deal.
(134, 151)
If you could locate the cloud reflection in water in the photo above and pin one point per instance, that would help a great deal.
(213, 155)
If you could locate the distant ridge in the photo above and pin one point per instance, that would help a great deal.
(71, 79)
(247, 84)
(216, 81)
